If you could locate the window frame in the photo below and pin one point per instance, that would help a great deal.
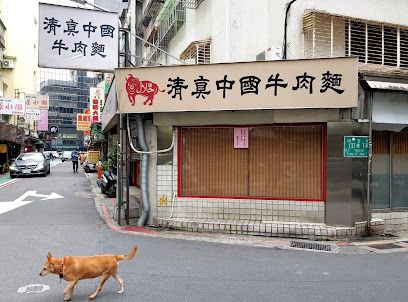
(323, 162)
(391, 208)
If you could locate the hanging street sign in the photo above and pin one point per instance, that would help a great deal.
(77, 38)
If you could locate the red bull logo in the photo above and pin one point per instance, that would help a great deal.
(136, 87)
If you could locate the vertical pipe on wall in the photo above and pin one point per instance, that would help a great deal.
(144, 172)
(370, 158)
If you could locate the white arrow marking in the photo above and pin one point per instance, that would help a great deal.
(19, 202)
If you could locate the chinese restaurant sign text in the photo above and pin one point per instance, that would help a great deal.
(77, 38)
(319, 83)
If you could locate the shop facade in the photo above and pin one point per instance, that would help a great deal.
(11, 141)
(389, 168)
(265, 156)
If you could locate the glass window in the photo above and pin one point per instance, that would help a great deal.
(399, 178)
(31, 156)
(389, 179)
(380, 179)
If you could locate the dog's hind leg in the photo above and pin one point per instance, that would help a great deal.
(102, 281)
(120, 281)
(69, 290)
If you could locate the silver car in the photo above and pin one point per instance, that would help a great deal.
(32, 163)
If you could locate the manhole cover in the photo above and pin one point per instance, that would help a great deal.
(385, 246)
(310, 245)
(33, 288)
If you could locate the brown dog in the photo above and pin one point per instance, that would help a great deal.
(75, 268)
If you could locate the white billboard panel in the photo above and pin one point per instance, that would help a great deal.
(76, 38)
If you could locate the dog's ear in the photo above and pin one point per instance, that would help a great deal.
(49, 256)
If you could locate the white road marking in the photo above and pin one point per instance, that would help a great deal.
(19, 202)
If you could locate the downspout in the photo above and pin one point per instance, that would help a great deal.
(145, 165)
(370, 162)
(285, 35)
(144, 172)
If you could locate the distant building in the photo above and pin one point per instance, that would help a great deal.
(68, 91)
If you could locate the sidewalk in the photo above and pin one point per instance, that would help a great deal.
(4, 178)
(375, 244)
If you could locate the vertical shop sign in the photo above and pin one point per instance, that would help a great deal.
(43, 122)
(97, 100)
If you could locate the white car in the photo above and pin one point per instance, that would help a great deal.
(55, 154)
(66, 155)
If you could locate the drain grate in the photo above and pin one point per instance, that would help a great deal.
(310, 245)
(385, 246)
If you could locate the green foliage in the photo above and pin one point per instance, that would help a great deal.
(105, 165)
(113, 154)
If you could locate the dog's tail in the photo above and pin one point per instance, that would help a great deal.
(127, 257)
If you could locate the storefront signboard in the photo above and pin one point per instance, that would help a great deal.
(3, 148)
(37, 101)
(83, 122)
(12, 106)
(355, 146)
(32, 114)
(75, 38)
(93, 157)
(289, 84)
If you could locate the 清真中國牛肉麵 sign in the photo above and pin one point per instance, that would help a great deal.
(317, 83)
(75, 38)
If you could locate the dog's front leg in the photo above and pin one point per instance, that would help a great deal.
(102, 281)
(69, 290)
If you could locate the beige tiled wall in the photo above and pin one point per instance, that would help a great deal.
(242, 209)
(393, 221)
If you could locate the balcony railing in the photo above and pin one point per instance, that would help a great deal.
(150, 12)
(169, 21)
(2, 30)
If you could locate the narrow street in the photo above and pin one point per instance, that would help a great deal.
(172, 270)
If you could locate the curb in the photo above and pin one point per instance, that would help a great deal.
(102, 205)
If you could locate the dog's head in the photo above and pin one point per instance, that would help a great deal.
(50, 266)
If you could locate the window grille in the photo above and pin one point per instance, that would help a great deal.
(198, 52)
(192, 4)
(379, 47)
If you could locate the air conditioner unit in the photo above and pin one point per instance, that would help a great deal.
(7, 64)
(273, 53)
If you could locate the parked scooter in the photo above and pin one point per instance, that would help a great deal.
(89, 168)
(107, 183)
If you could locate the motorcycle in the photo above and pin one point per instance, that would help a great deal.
(89, 168)
(107, 183)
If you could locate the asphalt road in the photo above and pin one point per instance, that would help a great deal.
(170, 269)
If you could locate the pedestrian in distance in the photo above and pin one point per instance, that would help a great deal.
(74, 159)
